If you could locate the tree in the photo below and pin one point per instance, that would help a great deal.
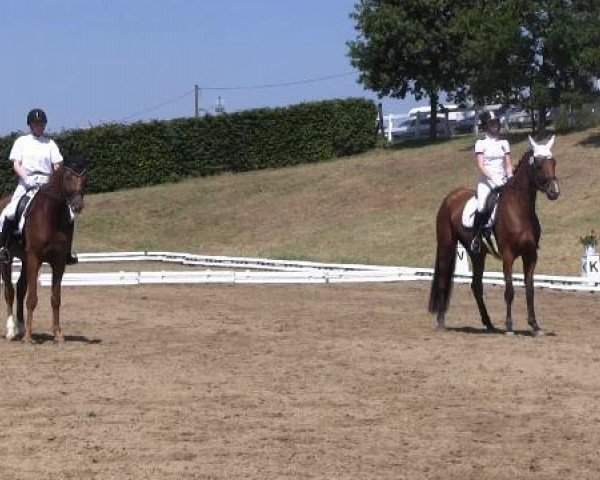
(408, 46)
(535, 53)
(491, 54)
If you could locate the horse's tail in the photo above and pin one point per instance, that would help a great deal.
(445, 262)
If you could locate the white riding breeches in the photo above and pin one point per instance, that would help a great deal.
(11, 209)
(483, 191)
(484, 187)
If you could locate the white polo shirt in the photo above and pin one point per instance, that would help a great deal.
(494, 150)
(37, 154)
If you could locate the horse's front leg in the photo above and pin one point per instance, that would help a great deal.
(9, 297)
(57, 274)
(33, 267)
(478, 261)
(529, 263)
(509, 290)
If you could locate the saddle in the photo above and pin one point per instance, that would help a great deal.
(22, 210)
(489, 211)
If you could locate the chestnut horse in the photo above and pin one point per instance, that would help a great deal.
(47, 236)
(517, 232)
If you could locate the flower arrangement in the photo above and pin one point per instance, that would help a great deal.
(589, 240)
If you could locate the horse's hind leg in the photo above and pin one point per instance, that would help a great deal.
(478, 262)
(9, 297)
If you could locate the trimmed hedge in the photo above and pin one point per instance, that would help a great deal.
(142, 154)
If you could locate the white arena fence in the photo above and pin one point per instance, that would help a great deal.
(244, 270)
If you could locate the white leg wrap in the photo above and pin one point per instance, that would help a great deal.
(11, 328)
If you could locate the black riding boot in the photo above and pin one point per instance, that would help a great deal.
(5, 238)
(478, 223)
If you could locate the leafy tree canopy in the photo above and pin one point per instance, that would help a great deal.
(535, 53)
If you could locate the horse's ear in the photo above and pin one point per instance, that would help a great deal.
(531, 160)
(551, 142)
(532, 142)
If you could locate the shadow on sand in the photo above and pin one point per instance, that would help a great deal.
(44, 337)
(591, 141)
(496, 331)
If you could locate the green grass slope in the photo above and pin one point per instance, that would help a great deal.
(378, 207)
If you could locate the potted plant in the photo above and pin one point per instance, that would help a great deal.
(590, 243)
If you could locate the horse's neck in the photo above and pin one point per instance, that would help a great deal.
(53, 187)
(523, 188)
(51, 197)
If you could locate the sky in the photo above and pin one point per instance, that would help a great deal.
(92, 62)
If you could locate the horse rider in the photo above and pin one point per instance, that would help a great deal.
(494, 165)
(34, 158)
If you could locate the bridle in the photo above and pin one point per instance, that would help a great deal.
(68, 196)
(533, 163)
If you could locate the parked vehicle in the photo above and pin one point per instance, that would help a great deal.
(465, 124)
(411, 129)
(516, 118)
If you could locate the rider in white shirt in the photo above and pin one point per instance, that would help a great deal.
(34, 158)
(494, 165)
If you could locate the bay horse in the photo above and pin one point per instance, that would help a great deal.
(517, 231)
(47, 236)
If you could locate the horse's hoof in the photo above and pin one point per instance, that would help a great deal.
(509, 333)
(11, 335)
(440, 328)
(28, 340)
(538, 333)
(59, 339)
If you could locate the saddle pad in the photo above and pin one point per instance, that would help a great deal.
(468, 214)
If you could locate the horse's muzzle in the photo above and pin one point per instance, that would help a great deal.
(553, 190)
(77, 204)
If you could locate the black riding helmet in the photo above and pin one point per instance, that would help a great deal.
(36, 115)
(488, 118)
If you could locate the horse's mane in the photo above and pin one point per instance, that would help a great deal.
(76, 163)
(523, 160)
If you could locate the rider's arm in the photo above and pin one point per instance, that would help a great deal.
(20, 170)
(481, 166)
(55, 155)
(508, 165)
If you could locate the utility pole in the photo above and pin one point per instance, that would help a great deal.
(219, 108)
(197, 100)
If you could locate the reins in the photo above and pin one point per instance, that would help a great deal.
(45, 189)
